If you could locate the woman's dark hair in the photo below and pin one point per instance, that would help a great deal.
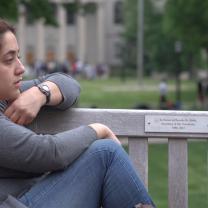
(5, 27)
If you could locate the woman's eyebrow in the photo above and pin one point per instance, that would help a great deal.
(11, 52)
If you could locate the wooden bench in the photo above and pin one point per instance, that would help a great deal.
(133, 124)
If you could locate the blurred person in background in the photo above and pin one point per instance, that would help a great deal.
(163, 89)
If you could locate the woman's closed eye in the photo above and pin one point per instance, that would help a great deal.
(9, 60)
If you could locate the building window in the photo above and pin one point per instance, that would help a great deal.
(71, 18)
(71, 10)
(54, 9)
(118, 12)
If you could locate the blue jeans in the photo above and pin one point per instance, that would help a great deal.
(102, 176)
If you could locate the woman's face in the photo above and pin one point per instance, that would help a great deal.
(11, 68)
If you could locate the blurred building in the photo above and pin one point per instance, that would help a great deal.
(91, 37)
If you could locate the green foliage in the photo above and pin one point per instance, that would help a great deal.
(130, 16)
(186, 20)
(159, 48)
(72, 7)
(40, 9)
(8, 9)
(189, 20)
(35, 9)
(159, 51)
(128, 48)
(181, 20)
(86, 8)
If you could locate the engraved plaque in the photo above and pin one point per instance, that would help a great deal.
(180, 124)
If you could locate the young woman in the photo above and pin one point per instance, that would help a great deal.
(83, 167)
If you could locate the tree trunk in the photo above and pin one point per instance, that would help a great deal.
(192, 71)
(206, 49)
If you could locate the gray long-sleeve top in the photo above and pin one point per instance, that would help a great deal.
(25, 155)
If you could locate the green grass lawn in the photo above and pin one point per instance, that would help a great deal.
(114, 93)
(197, 175)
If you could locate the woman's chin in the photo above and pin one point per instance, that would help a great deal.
(13, 96)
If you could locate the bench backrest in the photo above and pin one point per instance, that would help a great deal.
(138, 126)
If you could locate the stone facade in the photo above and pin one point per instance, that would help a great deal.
(91, 38)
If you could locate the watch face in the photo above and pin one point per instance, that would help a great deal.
(45, 87)
(46, 91)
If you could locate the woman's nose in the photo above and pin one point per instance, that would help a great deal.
(20, 69)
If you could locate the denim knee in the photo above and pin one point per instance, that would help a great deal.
(105, 151)
(105, 144)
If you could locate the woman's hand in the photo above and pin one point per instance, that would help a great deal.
(25, 108)
(104, 132)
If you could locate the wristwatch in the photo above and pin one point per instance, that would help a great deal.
(45, 90)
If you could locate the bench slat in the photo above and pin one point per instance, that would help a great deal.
(123, 122)
(138, 152)
(178, 173)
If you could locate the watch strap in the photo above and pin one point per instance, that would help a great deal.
(45, 90)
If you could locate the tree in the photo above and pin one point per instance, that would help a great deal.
(129, 49)
(158, 46)
(8, 9)
(44, 9)
(40, 9)
(186, 20)
(36, 9)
